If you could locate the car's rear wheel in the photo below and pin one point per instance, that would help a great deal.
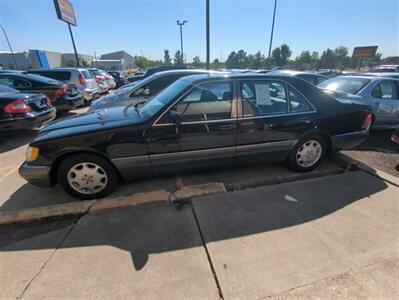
(87, 176)
(308, 153)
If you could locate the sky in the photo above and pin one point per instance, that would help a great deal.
(147, 27)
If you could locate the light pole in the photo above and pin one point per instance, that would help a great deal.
(9, 45)
(207, 36)
(181, 24)
(271, 34)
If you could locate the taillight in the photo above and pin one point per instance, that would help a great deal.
(98, 78)
(107, 78)
(49, 103)
(17, 107)
(81, 79)
(367, 121)
(395, 138)
(63, 90)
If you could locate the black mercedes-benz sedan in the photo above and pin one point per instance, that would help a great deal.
(199, 121)
(23, 111)
(64, 97)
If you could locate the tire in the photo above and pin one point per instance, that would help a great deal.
(308, 153)
(87, 176)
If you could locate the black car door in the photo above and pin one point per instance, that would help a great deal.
(273, 116)
(197, 131)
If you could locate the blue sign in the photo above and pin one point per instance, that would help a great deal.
(42, 57)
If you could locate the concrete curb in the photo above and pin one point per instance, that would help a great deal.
(190, 191)
(280, 179)
(38, 213)
(79, 208)
(136, 199)
(346, 161)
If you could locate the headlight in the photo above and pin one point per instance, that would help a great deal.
(32, 153)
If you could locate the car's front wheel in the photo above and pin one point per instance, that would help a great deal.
(308, 153)
(87, 176)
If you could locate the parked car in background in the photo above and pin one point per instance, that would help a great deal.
(153, 70)
(119, 77)
(313, 78)
(63, 96)
(23, 111)
(381, 93)
(387, 74)
(81, 78)
(200, 121)
(100, 79)
(144, 90)
(110, 80)
(385, 69)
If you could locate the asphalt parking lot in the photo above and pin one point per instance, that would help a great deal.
(274, 234)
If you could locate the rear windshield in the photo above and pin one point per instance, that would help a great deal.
(349, 85)
(86, 74)
(98, 72)
(57, 75)
(5, 89)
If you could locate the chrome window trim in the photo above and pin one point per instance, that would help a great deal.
(155, 123)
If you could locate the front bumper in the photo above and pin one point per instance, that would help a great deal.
(349, 140)
(36, 175)
(34, 120)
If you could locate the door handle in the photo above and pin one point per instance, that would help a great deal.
(226, 127)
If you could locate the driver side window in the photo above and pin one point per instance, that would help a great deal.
(205, 102)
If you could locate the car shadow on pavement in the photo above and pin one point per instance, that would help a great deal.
(15, 139)
(158, 228)
(378, 141)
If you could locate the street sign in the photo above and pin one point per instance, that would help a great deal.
(65, 11)
(364, 52)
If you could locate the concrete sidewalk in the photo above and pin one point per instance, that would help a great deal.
(259, 243)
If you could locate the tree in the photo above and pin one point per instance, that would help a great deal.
(142, 62)
(85, 64)
(178, 60)
(281, 55)
(217, 64)
(196, 62)
(257, 61)
(305, 61)
(328, 60)
(71, 63)
(341, 57)
(166, 58)
(231, 61)
(285, 54)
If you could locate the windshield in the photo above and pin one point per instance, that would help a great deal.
(349, 85)
(155, 105)
(5, 90)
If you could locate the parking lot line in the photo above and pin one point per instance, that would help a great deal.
(12, 170)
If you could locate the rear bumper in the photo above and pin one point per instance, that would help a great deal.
(68, 103)
(36, 175)
(31, 121)
(349, 140)
(89, 94)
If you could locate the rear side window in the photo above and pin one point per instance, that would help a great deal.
(298, 102)
(385, 90)
(263, 98)
(58, 75)
(15, 83)
(86, 74)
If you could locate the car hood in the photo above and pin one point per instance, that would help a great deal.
(91, 122)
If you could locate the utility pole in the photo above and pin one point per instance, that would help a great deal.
(181, 24)
(271, 35)
(9, 46)
(207, 36)
(74, 47)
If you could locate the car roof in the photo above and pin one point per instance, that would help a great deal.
(32, 77)
(202, 77)
(182, 71)
(364, 76)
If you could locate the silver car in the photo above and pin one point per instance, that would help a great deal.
(110, 80)
(381, 93)
(83, 80)
(102, 83)
(145, 90)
